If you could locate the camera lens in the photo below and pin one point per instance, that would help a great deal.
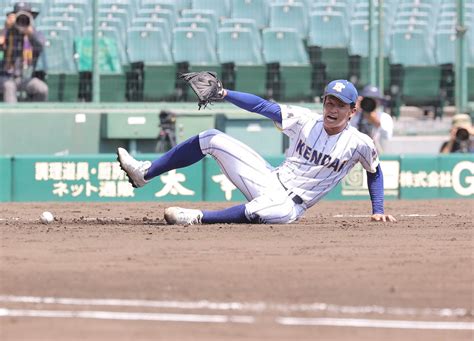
(462, 134)
(23, 19)
(368, 104)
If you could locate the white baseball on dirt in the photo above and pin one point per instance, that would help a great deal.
(46, 217)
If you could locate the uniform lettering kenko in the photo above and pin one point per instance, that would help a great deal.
(323, 149)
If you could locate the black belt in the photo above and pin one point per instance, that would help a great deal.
(295, 197)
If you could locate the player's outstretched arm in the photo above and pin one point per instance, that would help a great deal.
(254, 104)
(375, 184)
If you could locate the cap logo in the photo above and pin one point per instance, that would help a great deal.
(338, 87)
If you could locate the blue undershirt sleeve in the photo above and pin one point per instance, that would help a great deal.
(255, 104)
(375, 184)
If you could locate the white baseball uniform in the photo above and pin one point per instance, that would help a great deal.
(315, 163)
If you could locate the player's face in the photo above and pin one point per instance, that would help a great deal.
(336, 114)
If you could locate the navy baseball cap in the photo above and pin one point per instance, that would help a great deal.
(371, 92)
(342, 89)
(24, 7)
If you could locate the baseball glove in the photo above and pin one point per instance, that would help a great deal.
(205, 85)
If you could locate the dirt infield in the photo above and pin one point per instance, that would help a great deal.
(117, 272)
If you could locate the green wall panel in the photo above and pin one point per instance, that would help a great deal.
(5, 178)
(49, 133)
(443, 176)
(99, 178)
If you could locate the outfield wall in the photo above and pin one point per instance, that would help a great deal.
(98, 177)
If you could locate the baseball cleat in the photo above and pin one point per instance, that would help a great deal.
(182, 216)
(135, 169)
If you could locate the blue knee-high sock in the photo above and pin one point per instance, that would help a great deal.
(234, 214)
(184, 154)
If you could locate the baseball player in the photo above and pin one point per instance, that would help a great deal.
(323, 149)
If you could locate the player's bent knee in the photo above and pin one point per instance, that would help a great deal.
(211, 139)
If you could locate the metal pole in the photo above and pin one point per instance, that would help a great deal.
(461, 70)
(372, 37)
(95, 53)
(381, 48)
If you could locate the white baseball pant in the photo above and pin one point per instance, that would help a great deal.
(268, 202)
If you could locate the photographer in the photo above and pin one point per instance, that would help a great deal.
(370, 119)
(20, 47)
(461, 138)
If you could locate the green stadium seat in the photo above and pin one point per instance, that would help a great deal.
(148, 46)
(445, 46)
(158, 5)
(59, 55)
(332, 8)
(71, 23)
(118, 5)
(237, 46)
(359, 39)
(76, 13)
(83, 5)
(329, 32)
(328, 29)
(118, 18)
(57, 61)
(285, 47)
(201, 14)
(182, 4)
(166, 14)
(193, 45)
(257, 10)
(113, 23)
(291, 15)
(411, 48)
(221, 7)
(306, 3)
(150, 23)
(244, 23)
(199, 23)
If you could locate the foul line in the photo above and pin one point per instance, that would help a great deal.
(413, 215)
(113, 315)
(365, 323)
(243, 306)
(194, 318)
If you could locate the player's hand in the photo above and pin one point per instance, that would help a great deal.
(383, 217)
(373, 118)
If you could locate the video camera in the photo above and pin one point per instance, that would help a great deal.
(167, 134)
